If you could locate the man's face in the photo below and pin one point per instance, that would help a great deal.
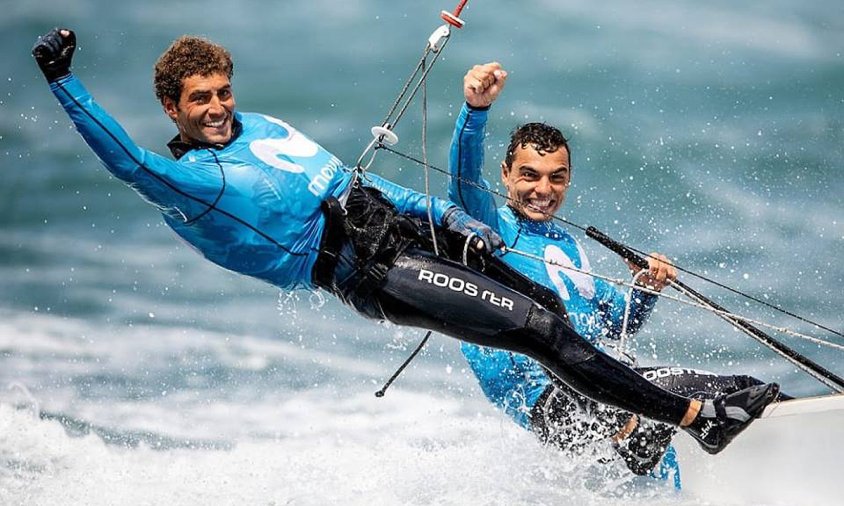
(205, 109)
(537, 183)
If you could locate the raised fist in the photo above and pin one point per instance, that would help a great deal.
(53, 51)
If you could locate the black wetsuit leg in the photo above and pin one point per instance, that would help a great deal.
(435, 293)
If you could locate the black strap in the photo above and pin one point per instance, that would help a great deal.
(332, 240)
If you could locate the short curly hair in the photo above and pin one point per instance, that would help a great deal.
(544, 139)
(189, 56)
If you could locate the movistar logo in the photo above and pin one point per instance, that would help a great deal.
(320, 182)
(290, 150)
(560, 266)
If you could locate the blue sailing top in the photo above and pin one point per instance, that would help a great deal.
(252, 205)
(595, 307)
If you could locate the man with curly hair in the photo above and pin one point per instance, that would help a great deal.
(191, 63)
(256, 196)
(536, 173)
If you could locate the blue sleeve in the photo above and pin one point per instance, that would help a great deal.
(613, 303)
(175, 188)
(408, 201)
(467, 187)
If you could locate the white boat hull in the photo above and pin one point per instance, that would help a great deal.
(791, 455)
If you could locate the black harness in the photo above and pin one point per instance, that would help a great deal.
(370, 230)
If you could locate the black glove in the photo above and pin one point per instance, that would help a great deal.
(53, 52)
(456, 220)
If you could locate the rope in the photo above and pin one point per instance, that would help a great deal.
(622, 341)
(425, 167)
(380, 393)
(390, 122)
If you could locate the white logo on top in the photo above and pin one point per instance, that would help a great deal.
(273, 151)
(558, 264)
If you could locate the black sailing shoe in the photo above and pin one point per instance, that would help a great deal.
(644, 447)
(723, 418)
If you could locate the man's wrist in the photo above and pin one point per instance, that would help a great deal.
(448, 214)
(477, 108)
(54, 77)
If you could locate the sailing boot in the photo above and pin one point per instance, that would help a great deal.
(723, 418)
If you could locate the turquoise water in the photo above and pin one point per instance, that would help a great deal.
(711, 132)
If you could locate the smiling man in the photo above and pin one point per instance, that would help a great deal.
(193, 82)
(536, 172)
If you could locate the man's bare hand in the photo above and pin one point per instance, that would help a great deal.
(483, 83)
(659, 274)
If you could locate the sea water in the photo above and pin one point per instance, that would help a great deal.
(134, 372)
